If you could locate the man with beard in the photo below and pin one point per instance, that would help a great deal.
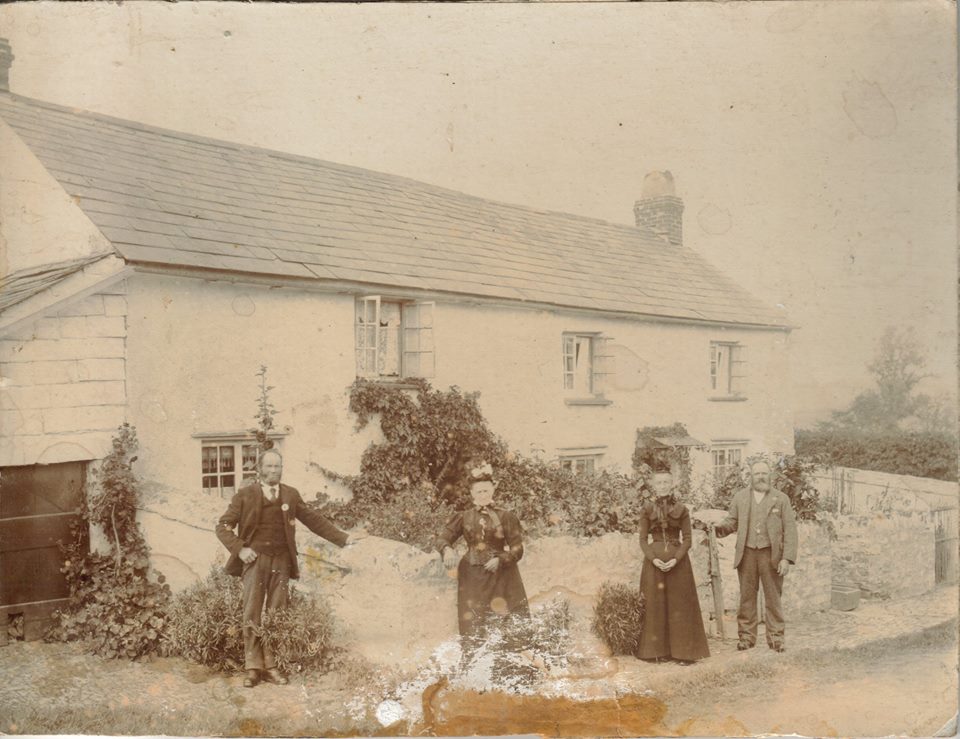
(766, 548)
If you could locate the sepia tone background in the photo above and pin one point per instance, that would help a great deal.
(813, 143)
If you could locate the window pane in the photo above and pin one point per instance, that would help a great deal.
(226, 459)
(210, 483)
(249, 452)
(209, 459)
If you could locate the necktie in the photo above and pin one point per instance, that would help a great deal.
(273, 493)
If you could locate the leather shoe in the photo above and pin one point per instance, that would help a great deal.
(252, 678)
(743, 645)
(273, 675)
(778, 647)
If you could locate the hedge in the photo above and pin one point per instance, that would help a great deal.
(901, 453)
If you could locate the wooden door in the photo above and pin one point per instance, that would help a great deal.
(38, 504)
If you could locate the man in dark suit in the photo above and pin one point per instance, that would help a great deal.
(264, 553)
(766, 548)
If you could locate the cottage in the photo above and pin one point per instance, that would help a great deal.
(150, 273)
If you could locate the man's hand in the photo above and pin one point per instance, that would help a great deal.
(493, 565)
(783, 568)
(247, 555)
(449, 557)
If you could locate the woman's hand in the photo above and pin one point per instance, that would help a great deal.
(493, 565)
(667, 566)
(658, 563)
(449, 557)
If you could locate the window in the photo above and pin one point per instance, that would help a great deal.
(727, 368)
(580, 459)
(228, 458)
(587, 364)
(225, 465)
(726, 457)
(394, 339)
(580, 464)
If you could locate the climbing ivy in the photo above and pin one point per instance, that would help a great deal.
(116, 605)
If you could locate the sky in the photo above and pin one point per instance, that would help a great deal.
(813, 144)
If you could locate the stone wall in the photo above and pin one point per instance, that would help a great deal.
(806, 588)
(887, 556)
(63, 390)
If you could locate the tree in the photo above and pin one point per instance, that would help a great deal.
(897, 369)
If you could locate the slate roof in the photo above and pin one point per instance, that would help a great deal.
(169, 198)
(18, 286)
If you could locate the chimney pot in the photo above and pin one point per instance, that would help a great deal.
(659, 209)
(6, 60)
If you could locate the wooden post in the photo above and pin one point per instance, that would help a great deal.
(716, 581)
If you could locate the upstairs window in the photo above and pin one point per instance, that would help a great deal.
(394, 338)
(728, 369)
(587, 364)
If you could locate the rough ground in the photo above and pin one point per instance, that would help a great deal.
(57, 689)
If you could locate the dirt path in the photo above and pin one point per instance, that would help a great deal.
(911, 693)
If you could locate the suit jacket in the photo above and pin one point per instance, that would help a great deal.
(778, 516)
(244, 515)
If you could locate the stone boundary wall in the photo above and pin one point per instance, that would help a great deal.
(886, 556)
(396, 604)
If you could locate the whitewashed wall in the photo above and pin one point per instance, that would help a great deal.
(62, 383)
(194, 348)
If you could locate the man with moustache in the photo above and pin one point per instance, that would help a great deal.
(263, 553)
(766, 530)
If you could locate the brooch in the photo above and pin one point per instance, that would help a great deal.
(284, 507)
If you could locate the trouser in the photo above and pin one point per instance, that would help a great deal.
(265, 582)
(756, 567)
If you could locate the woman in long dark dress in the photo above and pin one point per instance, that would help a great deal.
(673, 625)
(489, 587)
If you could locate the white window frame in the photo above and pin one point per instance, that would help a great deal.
(581, 459)
(239, 443)
(415, 339)
(599, 361)
(725, 456)
(728, 368)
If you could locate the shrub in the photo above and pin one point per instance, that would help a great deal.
(412, 516)
(301, 635)
(116, 604)
(548, 499)
(206, 623)
(931, 455)
(618, 617)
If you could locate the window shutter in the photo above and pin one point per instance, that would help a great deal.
(738, 369)
(419, 356)
(368, 339)
(603, 365)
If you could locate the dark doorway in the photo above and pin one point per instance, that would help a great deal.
(38, 504)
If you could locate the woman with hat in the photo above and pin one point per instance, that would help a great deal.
(672, 625)
(489, 587)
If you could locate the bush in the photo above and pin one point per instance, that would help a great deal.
(618, 617)
(412, 516)
(548, 499)
(116, 605)
(901, 453)
(206, 622)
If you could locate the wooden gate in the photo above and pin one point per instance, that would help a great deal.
(946, 525)
(38, 504)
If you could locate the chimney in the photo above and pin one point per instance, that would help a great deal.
(6, 60)
(659, 209)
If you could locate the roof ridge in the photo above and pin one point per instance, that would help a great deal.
(645, 234)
